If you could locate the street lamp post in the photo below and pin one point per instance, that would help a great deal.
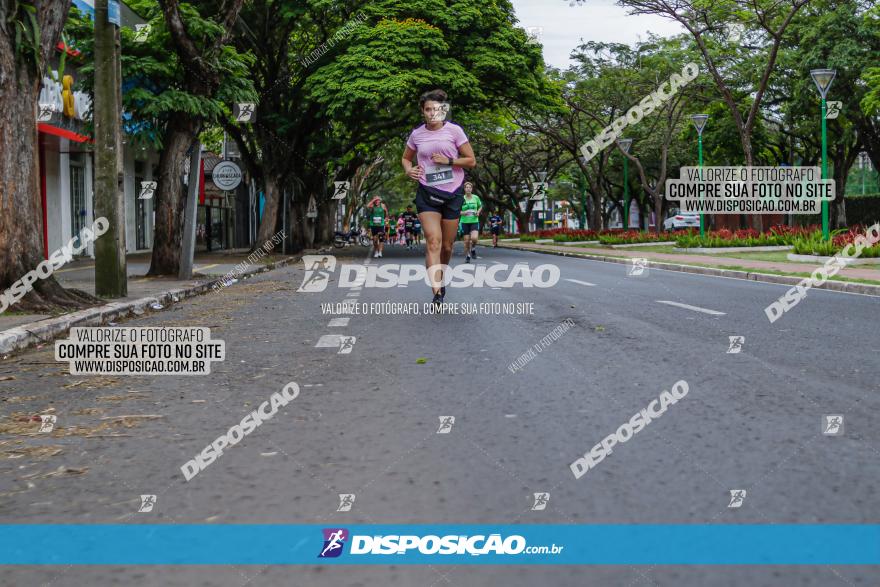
(823, 79)
(625, 145)
(699, 121)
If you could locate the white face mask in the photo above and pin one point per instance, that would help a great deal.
(438, 113)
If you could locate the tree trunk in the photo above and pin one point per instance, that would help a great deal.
(837, 213)
(596, 221)
(21, 213)
(642, 216)
(269, 221)
(298, 223)
(179, 137)
(522, 220)
(659, 202)
(294, 237)
(327, 222)
(755, 220)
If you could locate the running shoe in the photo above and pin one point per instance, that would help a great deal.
(467, 259)
(438, 299)
(443, 291)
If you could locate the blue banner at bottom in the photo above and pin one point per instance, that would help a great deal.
(385, 544)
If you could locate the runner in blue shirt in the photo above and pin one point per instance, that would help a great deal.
(495, 222)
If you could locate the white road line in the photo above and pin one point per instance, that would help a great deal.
(353, 295)
(694, 308)
(338, 322)
(578, 281)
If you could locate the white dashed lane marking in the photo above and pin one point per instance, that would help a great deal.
(579, 282)
(694, 308)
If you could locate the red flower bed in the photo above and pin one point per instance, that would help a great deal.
(563, 234)
(784, 230)
(619, 237)
(846, 238)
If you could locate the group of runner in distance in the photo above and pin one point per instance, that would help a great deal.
(436, 155)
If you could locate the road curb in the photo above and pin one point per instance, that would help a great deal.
(842, 286)
(44, 331)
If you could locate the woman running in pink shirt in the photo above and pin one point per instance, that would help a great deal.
(442, 152)
(401, 228)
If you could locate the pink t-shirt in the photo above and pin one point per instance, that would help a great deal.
(446, 141)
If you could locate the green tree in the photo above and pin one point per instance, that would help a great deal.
(355, 86)
(198, 35)
(871, 75)
(828, 33)
(177, 81)
(739, 41)
(29, 33)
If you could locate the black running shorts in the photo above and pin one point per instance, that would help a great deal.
(429, 199)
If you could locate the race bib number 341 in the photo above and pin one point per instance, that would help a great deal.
(438, 175)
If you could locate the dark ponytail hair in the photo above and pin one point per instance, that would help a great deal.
(432, 96)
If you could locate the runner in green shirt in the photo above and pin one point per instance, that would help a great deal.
(376, 213)
(470, 221)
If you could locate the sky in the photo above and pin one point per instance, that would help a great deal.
(597, 20)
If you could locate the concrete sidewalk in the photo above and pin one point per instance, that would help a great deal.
(20, 330)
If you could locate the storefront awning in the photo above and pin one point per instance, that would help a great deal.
(63, 133)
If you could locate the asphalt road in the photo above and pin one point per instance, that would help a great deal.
(366, 422)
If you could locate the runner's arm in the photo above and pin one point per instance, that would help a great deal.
(467, 158)
(413, 171)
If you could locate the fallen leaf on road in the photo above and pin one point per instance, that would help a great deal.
(87, 411)
(116, 398)
(7, 377)
(21, 423)
(61, 470)
(32, 451)
(134, 416)
(421, 361)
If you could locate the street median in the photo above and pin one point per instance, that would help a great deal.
(784, 273)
